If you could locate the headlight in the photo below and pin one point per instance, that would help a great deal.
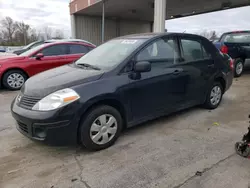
(56, 100)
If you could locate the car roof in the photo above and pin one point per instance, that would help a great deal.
(240, 31)
(60, 42)
(69, 40)
(154, 35)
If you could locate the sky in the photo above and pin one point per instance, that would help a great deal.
(55, 14)
(38, 13)
(221, 21)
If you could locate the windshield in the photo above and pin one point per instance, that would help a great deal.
(110, 54)
(237, 38)
(32, 50)
(29, 45)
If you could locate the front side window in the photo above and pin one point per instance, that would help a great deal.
(160, 53)
(78, 49)
(193, 50)
(55, 50)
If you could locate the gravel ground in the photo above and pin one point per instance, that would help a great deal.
(167, 152)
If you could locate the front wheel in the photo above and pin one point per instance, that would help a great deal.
(100, 128)
(214, 96)
(14, 79)
(238, 67)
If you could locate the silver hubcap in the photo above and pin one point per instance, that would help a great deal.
(15, 80)
(103, 129)
(215, 96)
(239, 68)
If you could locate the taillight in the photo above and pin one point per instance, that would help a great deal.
(224, 49)
(232, 64)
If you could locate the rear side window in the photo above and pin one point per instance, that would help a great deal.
(78, 49)
(193, 50)
(55, 50)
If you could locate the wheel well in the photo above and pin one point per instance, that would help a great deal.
(15, 69)
(222, 82)
(110, 102)
(243, 58)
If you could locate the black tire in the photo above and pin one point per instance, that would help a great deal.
(245, 153)
(238, 63)
(208, 103)
(87, 121)
(11, 72)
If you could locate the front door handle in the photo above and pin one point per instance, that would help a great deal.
(177, 71)
(211, 66)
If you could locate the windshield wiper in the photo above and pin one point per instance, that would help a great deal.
(89, 66)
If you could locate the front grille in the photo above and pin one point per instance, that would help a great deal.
(28, 102)
(23, 127)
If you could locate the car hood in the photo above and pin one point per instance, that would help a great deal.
(59, 78)
(10, 57)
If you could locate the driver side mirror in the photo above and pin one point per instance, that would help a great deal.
(39, 56)
(142, 66)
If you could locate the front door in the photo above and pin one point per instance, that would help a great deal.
(54, 56)
(163, 88)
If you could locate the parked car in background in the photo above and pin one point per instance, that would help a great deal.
(28, 47)
(2, 49)
(14, 71)
(37, 43)
(11, 49)
(237, 45)
(145, 76)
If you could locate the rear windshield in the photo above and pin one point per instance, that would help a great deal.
(236, 38)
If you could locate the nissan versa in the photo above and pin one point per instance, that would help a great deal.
(121, 83)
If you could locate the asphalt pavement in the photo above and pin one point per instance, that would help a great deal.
(189, 149)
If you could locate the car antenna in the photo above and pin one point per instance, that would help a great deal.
(184, 31)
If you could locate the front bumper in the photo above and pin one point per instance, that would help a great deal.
(57, 127)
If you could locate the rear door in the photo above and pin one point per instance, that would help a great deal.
(76, 51)
(161, 89)
(199, 65)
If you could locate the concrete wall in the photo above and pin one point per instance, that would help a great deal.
(89, 28)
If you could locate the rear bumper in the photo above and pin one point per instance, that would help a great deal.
(53, 128)
(1, 75)
(229, 80)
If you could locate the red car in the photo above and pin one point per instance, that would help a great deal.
(15, 70)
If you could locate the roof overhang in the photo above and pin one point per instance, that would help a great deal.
(144, 9)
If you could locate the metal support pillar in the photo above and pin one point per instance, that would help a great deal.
(73, 26)
(103, 21)
(159, 15)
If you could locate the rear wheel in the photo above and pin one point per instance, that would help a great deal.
(238, 67)
(214, 96)
(14, 79)
(100, 128)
